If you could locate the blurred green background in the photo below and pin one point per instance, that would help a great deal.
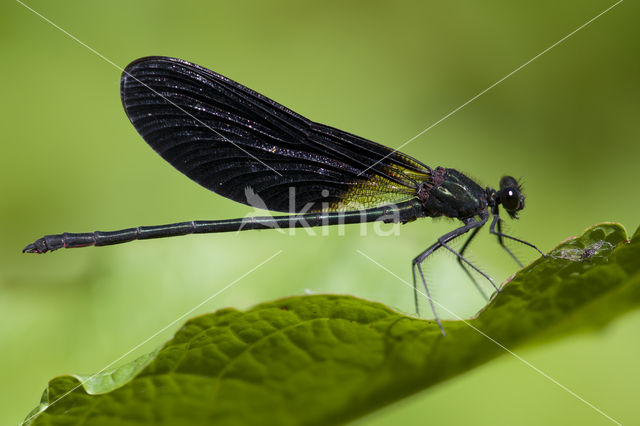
(71, 161)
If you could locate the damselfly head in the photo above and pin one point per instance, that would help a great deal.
(510, 196)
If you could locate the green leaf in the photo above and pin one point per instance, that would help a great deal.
(327, 359)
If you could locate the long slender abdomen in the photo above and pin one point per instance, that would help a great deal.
(400, 213)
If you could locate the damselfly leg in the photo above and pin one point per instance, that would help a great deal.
(469, 224)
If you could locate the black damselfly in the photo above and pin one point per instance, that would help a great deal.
(242, 145)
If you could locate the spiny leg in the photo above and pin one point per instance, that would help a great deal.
(469, 224)
(415, 289)
(461, 257)
(426, 289)
(492, 229)
(500, 236)
(464, 267)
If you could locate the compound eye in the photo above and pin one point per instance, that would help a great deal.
(510, 199)
(508, 182)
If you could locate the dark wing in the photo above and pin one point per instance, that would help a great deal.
(241, 144)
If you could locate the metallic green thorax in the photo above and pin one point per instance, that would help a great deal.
(453, 195)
